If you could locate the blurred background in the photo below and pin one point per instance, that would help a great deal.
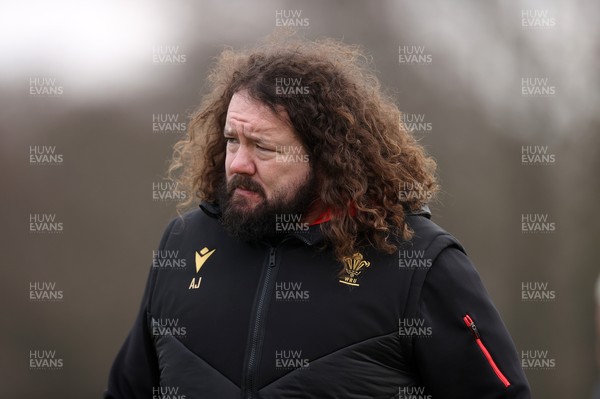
(505, 95)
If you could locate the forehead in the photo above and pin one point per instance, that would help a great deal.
(250, 115)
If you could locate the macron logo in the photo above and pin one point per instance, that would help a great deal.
(202, 256)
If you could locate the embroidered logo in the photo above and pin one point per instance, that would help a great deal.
(353, 266)
(201, 257)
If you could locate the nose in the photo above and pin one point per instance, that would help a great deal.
(242, 162)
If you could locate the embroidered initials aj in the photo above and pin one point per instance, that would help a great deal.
(201, 257)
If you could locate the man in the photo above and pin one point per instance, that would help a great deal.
(313, 268)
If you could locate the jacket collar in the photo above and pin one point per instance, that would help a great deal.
(211, 208)
(423, 211)
(313, 235)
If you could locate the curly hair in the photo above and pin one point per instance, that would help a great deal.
(369, 169)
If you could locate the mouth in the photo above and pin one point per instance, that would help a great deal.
(245, 188)
(246, 192)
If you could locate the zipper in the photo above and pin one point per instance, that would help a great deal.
(471, 324)
(255, 343)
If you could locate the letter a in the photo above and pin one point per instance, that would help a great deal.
(194, 285)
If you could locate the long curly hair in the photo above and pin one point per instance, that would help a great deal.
(369, 169)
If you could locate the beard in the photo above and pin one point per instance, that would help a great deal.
(258, 224)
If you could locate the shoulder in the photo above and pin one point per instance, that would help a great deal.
(189, 222)
(428, 236)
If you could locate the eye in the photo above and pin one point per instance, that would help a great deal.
(231, 140)
(264, 148)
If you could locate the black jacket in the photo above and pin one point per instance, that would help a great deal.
(221, 318)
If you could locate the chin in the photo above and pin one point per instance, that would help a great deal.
(244, 204)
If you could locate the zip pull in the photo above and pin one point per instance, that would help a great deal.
(471, 325)
(272, 257)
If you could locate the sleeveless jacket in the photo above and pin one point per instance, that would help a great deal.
(221, 318)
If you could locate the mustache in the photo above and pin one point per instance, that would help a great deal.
(246, 183)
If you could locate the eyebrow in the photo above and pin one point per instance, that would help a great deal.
(227, 131)
(251, 136)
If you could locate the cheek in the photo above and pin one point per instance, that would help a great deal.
(301, 171)
(289, 177)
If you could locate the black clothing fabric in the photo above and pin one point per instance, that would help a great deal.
(263, 321)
